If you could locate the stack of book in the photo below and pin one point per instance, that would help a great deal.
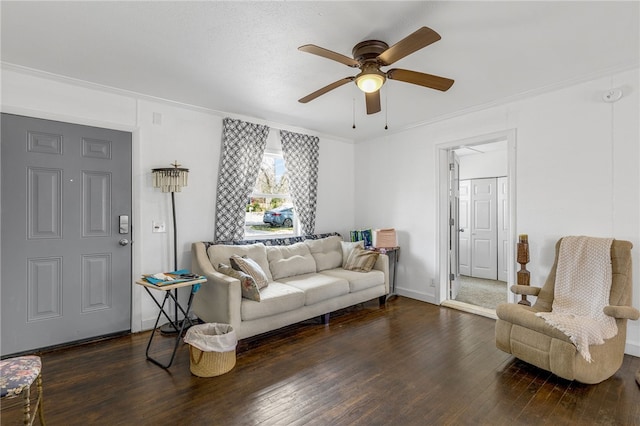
(362, 235)
(168, 278)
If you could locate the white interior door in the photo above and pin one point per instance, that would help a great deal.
(484, 235)
(454, 227)
(66, 257)
(464, 242)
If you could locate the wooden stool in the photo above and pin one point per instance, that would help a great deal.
(16, 378)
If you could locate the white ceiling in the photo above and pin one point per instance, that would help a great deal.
(242, 58)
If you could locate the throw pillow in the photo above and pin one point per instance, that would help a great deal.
(326, 252)
(247, 284)
(251, 268)
(220, 253)
(361, 260)
(347, 247)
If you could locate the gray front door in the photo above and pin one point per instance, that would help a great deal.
(66, 261)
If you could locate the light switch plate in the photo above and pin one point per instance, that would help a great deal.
(158, 226)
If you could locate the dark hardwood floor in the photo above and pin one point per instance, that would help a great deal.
(408, 363)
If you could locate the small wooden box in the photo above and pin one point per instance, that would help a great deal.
(385, 238)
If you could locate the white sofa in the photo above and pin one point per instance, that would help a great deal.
(305, 275)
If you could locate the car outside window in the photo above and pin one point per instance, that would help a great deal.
(269, 211)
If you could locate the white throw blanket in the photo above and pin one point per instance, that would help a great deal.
(583, 283)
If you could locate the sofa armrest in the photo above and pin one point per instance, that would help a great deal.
(525, 290)
(217, 300)
(382, 264)
(622, 312)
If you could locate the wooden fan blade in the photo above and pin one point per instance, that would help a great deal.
(416, 41)
(373, 102)
(325, 89)
(325, 53)
(427, 80)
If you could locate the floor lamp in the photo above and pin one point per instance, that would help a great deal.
(172, 179)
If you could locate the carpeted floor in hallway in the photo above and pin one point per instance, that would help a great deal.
(481, 292)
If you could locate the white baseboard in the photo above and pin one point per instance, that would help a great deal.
(148, 324)
(423, 297)
(632, 349)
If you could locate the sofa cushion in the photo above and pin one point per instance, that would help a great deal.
(286, 261)
(347, 247)
(220, 253)
(357, 280)
(361, 260)
(248, 285)
(250, 267)
(318, 287)
(275, 299)
(326, 252)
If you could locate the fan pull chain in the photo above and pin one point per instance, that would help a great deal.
(354, 113)
(386, 109)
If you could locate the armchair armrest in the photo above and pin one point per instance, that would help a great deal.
(622, 312)
(382, 264)
(219, 299)
(525, 290)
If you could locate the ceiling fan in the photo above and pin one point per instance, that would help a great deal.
(369, 56)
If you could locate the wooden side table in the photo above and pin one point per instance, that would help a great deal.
(394, 256)
(178, 325)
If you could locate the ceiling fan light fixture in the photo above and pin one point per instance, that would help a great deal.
(370, 82)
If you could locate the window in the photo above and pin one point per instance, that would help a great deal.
(269, 210)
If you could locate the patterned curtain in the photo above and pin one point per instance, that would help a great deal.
(300, 154)
(242, 150)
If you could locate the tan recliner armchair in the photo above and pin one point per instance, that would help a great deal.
(528, 337)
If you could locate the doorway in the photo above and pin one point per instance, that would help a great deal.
(483, 226)
(477, 249)
(66, 231)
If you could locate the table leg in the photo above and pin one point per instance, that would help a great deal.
(167, 296)
(392, 290)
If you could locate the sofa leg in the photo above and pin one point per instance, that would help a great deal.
(324, 318)
(382, 300)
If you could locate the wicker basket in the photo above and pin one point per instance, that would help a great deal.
(210, 364)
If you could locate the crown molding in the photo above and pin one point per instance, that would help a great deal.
(527, 94)
(141, 96)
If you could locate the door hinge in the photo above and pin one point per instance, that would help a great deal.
(452, 277)
(452, 221)
(451, 166)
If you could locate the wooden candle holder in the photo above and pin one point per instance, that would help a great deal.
(523, 259)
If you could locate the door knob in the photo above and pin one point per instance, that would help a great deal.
(461, 230)
(123, 242)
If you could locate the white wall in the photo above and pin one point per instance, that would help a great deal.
(576, 174)
(191, 136)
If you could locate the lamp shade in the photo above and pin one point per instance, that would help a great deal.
(370, 83)
(170, 179)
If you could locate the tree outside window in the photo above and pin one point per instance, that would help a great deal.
(269, 210)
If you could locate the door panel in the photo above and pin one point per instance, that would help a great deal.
(44, 288)
(64, 275)
(454, 220)
(96, 204)
(484, 235)
(465, 227)
(44, 203)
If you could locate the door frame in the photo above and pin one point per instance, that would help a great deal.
(136, 190)
(442, 214)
